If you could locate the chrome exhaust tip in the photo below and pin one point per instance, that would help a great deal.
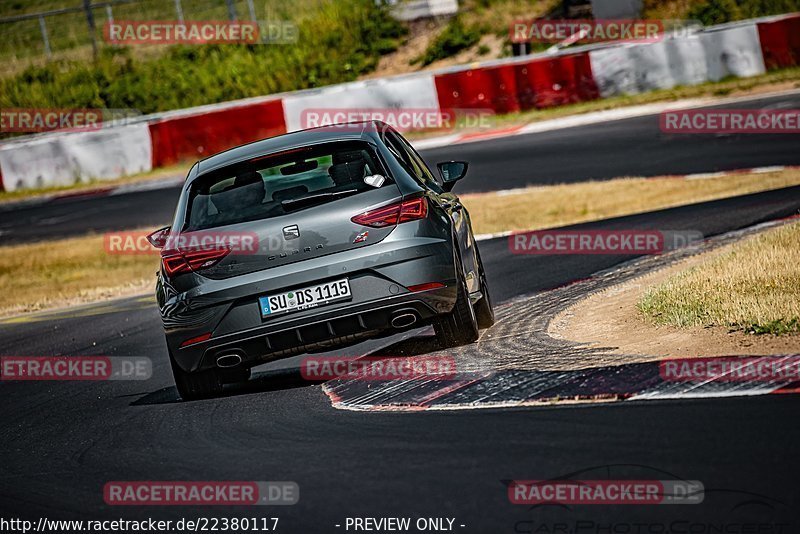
(226, 361)
(403, 320)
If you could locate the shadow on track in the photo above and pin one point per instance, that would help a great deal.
(283, 379)
(260, 383)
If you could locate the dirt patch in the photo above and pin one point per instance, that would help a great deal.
(420, 35)
(610, 320)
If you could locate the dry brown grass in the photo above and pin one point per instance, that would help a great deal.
(69, 271)
(753, 286)
(548, 206)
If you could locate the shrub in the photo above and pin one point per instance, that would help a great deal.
(715, 12)
(338, 41)
(455, 38)
(720, 11)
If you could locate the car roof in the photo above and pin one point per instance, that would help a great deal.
(358, 131)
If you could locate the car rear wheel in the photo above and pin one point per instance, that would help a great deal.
(460, 326)
(193, 386)
(483, 308)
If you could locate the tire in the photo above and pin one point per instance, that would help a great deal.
(459, 327)
(483, 308)
(193, 386)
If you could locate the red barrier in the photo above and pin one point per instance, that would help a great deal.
(507, 88)
(192, 137)
(780, 42)
(484, 88)
(556, 81)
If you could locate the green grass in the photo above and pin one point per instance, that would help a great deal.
(456, 37)
(338, 41)
(716, 11)
(720, 11)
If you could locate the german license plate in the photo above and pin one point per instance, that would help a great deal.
(308, 297)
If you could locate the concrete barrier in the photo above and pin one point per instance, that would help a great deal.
(519, 84)
(191, 136)
(556, 81)
(67, 158)
(733, 50)
(636, 69)
(406, 92)
(741, 49)
(780, 41)
(492, 88)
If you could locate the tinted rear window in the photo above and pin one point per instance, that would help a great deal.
(270, 186)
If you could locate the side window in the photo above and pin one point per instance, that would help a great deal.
(430, 178)
(402, 156)
(409, 159)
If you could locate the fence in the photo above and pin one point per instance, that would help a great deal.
(79, 29)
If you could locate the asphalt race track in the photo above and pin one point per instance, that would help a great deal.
(629, 147)
(61, 442)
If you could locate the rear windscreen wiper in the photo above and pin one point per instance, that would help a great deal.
(311, 199)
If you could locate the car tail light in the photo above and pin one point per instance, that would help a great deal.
(177, 262)
(400, 212)
(412, 210)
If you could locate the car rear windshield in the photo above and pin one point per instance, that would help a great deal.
(281, 183)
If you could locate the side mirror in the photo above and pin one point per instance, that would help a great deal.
(451, 172)
(159, 238)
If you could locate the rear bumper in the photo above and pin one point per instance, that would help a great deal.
(325, 330)
(379, 276)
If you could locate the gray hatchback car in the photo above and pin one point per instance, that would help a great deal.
(311, 241)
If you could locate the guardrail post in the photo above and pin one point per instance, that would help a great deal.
(252, 9)
(231, 10)
(45, 38)
(179, 10)
(87, 7)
